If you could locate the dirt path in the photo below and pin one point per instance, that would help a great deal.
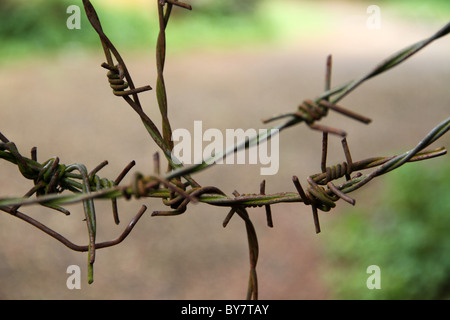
(65, 108)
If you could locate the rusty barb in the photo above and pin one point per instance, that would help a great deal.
(56, 184)
(310, 112)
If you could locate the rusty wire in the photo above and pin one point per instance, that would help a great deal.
(51, 178)
(318, 197)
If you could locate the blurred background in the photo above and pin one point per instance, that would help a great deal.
(230, 64)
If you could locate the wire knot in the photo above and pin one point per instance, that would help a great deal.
(335, 172)
(309, 111)
(177, 197)
(116, 75)
(319, 197)
(50, 177)
(116, 82)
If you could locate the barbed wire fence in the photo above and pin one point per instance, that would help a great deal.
(56, 185)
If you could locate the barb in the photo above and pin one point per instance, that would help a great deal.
(267, 207)
(310, 112)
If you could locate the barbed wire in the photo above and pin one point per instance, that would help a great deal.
(57, 185)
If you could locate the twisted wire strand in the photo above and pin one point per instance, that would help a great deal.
(387, 64)
(399, 160)
(110, 51)
(161, 93)
(119, 71)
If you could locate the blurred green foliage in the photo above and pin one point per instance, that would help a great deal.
(411, 9)
(30, 28)
(218, 23)
(220, 9)
(407, 236)
(39, 27)
(232, 23)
